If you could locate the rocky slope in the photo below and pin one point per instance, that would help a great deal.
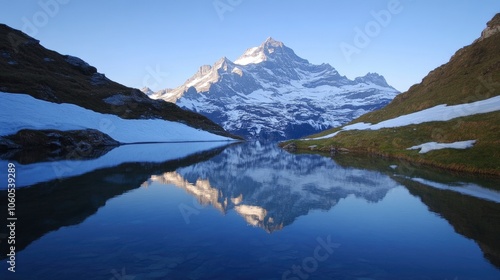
(26, 67)
(271, 93)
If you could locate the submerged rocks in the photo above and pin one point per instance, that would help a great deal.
(336, 150)
(28, 138)
(30, 146)
(292, 147)
(6, 144)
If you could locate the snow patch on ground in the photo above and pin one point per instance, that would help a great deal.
(431, 146)
(440, 113)
(21, 111)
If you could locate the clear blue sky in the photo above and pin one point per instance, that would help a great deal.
(127, 40)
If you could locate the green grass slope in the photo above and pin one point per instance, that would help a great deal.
(472, 74)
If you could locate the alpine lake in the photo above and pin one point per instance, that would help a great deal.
(248, 210)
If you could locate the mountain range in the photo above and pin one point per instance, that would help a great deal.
(449, 120)
(271, 93)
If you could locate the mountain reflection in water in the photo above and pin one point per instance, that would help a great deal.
(270, 188)
(162, 219)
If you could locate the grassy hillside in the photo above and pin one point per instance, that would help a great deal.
(28, 67)
(472, 74)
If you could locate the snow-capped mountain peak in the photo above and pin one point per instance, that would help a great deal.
(147, 91)
(271, 42)
(269, 50)
(372, 78)
(251, 56)
(208, 75)
(224, 63)
(271, 93)
(261, 53)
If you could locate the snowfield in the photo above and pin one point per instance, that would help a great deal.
(431, 146)
(22, 111)
(251, 56)
(439, 113)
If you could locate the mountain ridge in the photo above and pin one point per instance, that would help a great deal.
(268, 92)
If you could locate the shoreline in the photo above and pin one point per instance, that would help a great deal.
(445, 167)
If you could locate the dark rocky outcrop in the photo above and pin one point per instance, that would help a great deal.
(28, 146)
(492, 27)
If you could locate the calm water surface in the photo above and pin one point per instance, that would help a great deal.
(249, 211)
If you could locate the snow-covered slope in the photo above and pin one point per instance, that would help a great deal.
(21, 111)
(271, 93)
(440, 113)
